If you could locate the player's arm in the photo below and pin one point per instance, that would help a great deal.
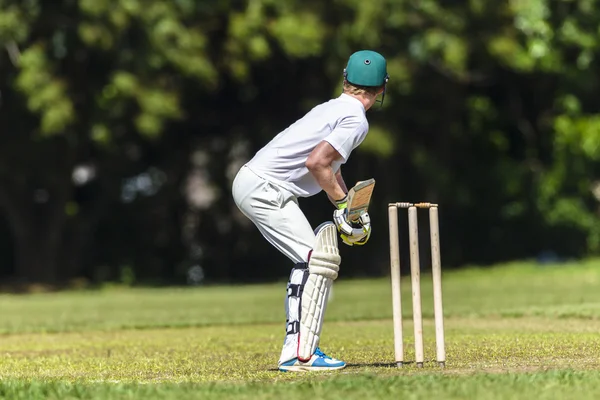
(340, 181)
(319, 164)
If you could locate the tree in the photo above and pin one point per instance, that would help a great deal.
(92, 85)
(125, 121)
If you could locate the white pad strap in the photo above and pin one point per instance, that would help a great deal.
(295, 287)
(323, 268)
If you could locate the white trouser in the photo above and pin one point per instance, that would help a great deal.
(276, 214)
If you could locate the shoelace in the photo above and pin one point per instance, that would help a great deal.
(319, 353)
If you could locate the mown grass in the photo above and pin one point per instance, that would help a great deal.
(511, 332)
(520, 289)
(540, 386)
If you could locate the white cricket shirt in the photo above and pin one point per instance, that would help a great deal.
(341, 122)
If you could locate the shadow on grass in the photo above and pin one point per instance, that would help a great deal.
(376, 365)
(364, 365)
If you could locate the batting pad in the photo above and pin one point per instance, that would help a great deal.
(323, 268)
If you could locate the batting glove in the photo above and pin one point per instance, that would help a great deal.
(357, 233)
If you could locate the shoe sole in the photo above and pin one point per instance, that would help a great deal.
(308, 368)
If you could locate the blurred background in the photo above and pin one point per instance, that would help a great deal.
(123, 123)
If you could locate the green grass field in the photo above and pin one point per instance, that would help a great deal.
(514, 331)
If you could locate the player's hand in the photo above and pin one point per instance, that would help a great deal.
(352, 233)
(340, 216)
(361, 231)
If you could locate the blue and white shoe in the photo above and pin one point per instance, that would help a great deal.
(318, 362)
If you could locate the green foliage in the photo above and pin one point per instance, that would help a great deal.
(488, 102)
(127, 276)
(300, 34)
(47, 95)
(14, 21)
(378, 142)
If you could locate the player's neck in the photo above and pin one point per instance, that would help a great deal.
(367, 101)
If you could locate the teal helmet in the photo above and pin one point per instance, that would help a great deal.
(366, 68)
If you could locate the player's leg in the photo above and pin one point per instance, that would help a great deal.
(275, 212)
(308, 293)
(278, 217)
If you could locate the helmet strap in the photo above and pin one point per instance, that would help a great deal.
(382, 98)
(387, 78)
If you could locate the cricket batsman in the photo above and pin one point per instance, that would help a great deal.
(302, 161)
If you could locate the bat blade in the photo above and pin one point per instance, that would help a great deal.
(359, 198)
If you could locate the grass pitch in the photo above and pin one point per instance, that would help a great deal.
(515, 331)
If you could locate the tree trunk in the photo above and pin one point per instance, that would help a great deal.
(38, 229)
(36, 257)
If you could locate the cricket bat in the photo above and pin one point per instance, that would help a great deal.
(359, 198)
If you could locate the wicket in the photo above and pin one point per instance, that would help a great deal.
(415, 269)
